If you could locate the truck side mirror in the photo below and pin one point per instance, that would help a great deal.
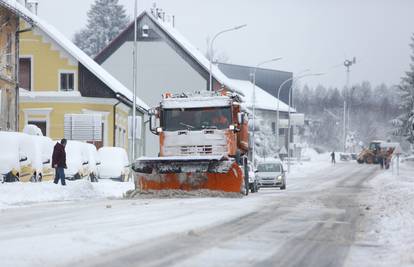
(240, 117)
(153, 113)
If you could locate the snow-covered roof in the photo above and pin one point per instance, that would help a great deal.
(264, 100)
(77, 53)
(194, 52)
(196, 102)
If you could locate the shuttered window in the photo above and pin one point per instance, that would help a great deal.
(67, 81)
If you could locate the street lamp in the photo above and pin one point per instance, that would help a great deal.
(347, 64)
(211, 51)
(254, 100)
(294, 80)
(134, 84)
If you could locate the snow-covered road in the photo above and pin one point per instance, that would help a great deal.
(313, 223)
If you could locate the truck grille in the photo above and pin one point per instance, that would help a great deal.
(196, 150)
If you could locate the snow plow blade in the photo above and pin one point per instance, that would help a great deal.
(188, 173)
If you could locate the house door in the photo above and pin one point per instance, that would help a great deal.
(25, 73)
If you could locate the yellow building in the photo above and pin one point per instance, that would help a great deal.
(58, 82)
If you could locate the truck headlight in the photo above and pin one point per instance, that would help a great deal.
(279, 177)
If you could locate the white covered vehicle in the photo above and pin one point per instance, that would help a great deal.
(93, 162)
(114, 163)
(21, 157)
(76, 160)
(10, 157)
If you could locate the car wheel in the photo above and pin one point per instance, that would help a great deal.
(33, 178)
(76, 176)
(283, 187)
(93, 178)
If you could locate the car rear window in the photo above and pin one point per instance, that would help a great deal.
(269, 167)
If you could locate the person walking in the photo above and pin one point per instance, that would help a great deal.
(59, 161)
(333, 157)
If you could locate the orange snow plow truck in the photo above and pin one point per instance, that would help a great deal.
(203, 144)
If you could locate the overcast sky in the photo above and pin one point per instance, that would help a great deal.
(315, 34)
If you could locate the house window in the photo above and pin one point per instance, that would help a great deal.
(25, 73)
(281, 131)
(273, 127)
(67, 81)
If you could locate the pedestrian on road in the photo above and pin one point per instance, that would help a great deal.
(333, 157)
(59, 161)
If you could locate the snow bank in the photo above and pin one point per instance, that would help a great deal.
(19, 194)
(181, 194)
(390, 215)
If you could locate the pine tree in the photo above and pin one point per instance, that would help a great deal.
(106, 19)
(404, 123)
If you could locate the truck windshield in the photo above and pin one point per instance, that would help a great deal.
(269, 167)
(196, 118)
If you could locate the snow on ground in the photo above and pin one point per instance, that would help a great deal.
(20, 194)
(388, 232)
(109, 224)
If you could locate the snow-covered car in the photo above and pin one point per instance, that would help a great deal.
(11, 156)
(45, 144)
(114, 163)
(93, 162)
(270, 173)
(253, 182)
(408, 159)
(76, 160)
(21, 157)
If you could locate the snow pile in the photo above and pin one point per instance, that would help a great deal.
(180, 194)
(390, 216)
(18, 194)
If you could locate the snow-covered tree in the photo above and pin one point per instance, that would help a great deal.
(106, 19)
(404, 123)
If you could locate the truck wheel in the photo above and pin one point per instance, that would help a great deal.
(283, 187)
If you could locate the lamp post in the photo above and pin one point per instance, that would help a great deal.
(254, 101)
(347, 64)
(211, 51)
(277, 111)
(134, 84)
(294, 80)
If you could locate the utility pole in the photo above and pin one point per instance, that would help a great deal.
(347, 64)
(134, 84)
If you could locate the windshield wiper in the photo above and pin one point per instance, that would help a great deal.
(209, 127)
(189, 127)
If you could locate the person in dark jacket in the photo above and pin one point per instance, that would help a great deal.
(333, 157)
(59, 161)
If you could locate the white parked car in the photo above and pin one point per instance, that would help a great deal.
(21, 157)
(270, 173)
(253, 181)
(10, 157)
(76, 160)
(93, 162)
(114, 163)
(45, 144)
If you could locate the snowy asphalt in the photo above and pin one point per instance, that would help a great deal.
(313, 223)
